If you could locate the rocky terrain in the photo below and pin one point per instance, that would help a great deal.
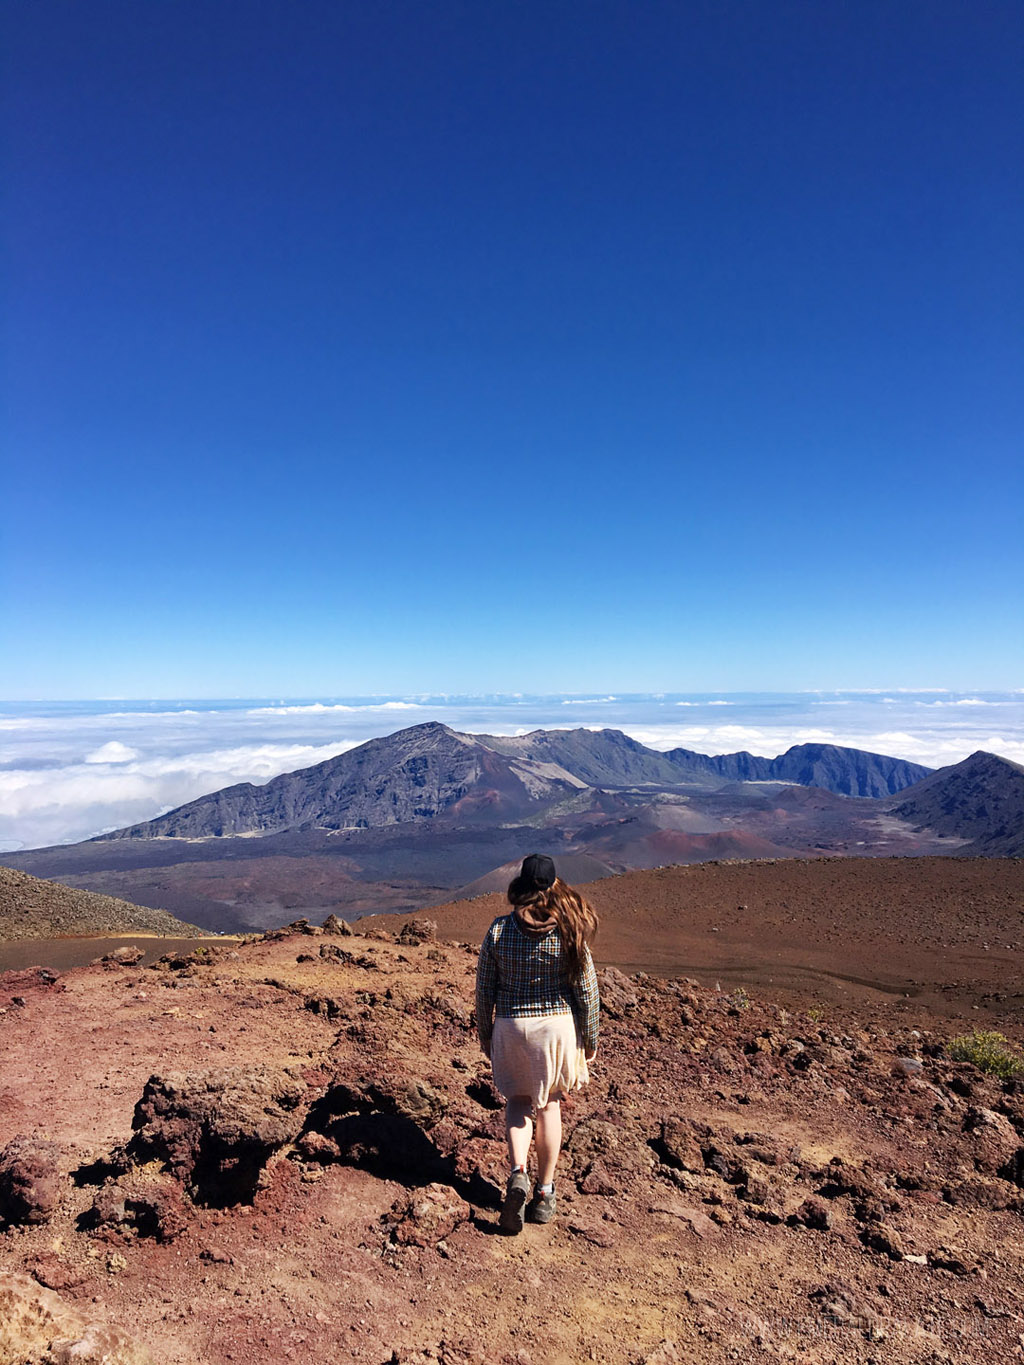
(31, 909)
(290, 1150)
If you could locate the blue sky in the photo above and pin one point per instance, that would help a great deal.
(382, 347)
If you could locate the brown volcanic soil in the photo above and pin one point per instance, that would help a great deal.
(31, 908)
(739, 1181)
(928, 934)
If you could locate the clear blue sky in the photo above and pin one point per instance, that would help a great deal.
(384, 346)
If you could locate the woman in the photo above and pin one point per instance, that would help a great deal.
(537, 1016)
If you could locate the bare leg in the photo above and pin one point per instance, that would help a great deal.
(519, 1129)
(549, 1140)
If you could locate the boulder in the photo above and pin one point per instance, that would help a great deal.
(138, 1206)
(428, 1216)
(128, 956)
(600, 1140)
(617, 993)
(334, 925)
(381, 1123)
(993, 1140)
(29, 1180)
(812, 1213)
(679, 1146)
(215, 1130)
(417, 931)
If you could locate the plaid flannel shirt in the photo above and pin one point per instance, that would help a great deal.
(520, 976)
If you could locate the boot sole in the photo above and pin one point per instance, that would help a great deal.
(511, 1218)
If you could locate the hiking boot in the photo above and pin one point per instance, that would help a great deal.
(541, 1208)
(510, 1219)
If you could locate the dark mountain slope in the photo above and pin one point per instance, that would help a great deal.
(981, 798)
(847, 772)
(429, 770)
(416, 774)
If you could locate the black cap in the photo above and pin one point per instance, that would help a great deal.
(536, 874)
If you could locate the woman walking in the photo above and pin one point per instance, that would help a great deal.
(537, 1016)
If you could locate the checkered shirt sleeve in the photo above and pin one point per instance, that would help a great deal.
(588, 1003)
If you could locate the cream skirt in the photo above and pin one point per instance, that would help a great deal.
(540, 1057)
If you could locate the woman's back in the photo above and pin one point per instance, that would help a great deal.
(530, 971)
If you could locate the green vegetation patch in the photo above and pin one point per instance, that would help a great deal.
(988, 1051)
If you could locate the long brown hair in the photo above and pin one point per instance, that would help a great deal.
(575, 918)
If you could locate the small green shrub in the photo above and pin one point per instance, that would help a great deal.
(815, 1014)
(988, 1051)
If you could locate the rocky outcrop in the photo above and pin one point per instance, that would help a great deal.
(139, 1205)
(30, 1180)
(216, 1130)
(427, 1216)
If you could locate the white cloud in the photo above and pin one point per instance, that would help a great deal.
(112, 752)
(586, 701)
(77, 801)
(321, 708)
(960, 701)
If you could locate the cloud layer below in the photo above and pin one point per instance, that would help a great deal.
(67, 773)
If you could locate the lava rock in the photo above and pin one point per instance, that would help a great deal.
(678, 1145)
(215, 1130)
(138, 1207)
(813, 1213)
(29, 1180)
(333, 925)
(128, 956)
(617, 993)
(37, 1326)
(428, 1216)
(882, 1238)
(417, 931)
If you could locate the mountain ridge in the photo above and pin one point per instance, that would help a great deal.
(982, 798)
(429, 770)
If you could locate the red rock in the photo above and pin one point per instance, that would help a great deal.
(598, 1180)
(813, 1213)
(216, 1129)
(30, 1180)
(333, 925)
(429, 1215)
(695, 1218)
(417, 931)
(141, 1206)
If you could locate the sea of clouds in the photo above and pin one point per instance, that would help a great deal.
(71, 770)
